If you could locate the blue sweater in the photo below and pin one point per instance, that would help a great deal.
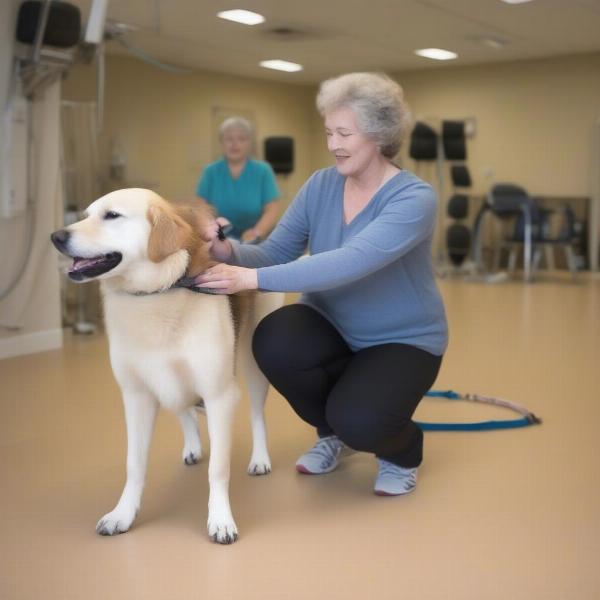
(371, 278)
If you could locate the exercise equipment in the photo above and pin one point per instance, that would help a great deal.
(435, 143)
(458, 235)
(453, 139)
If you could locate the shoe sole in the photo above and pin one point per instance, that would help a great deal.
(384, 493)
(302, 469)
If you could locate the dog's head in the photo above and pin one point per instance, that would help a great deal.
(134, 233)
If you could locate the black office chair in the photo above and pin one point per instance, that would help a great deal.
(506, 200)
(531, 229)
(544, 239)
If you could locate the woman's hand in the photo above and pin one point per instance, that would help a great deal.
(219, 249)
(226, 279)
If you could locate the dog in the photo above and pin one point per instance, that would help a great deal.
(170, 346)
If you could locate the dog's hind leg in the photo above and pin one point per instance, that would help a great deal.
(140, 414)
(220, 409)
(192, 446)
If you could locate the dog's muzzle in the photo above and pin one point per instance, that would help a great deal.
(84, 267)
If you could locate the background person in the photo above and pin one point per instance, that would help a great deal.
(356, 354)
(241, 189)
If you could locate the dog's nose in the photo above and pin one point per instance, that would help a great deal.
(60, 238)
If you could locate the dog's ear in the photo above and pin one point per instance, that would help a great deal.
(197, 217)
(169, 233)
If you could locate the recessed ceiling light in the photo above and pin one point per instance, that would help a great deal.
(281, 65)
(516, 1)
(242, 16)
(436, 53)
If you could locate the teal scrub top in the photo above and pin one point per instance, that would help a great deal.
(240, 200)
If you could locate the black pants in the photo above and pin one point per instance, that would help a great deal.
(366, 398)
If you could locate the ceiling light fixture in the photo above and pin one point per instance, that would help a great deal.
(281, 65)
(436, 53)
(241, 16)
(515, 1)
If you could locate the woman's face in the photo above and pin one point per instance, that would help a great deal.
(354, 152)
(236, 144)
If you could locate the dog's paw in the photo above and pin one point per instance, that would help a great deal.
(222, 532)
(261, 467)
(192, 457)
(115, 522)
(260, 463)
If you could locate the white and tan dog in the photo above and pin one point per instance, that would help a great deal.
(168, 345)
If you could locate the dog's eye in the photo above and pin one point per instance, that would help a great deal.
(111, 214)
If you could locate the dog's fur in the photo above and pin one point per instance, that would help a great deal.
(169, 346)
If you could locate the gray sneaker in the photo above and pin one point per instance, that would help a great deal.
(322, 457)
(393, 480)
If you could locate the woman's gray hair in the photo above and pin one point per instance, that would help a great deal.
(236, 123)
(378, 102)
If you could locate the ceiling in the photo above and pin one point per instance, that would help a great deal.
(329, 37)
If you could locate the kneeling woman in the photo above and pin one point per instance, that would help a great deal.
(365, 342)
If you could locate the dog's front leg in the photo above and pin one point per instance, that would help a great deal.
(140, 415)
(257, 384)
(220, 414)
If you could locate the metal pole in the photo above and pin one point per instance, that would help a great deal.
(527, 244)
(100, 83)
(40, 31)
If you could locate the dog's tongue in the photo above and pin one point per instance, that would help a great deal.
(82, 263)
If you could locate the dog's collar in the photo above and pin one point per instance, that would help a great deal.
(186, 283)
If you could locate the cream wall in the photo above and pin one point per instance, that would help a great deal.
(321, 157)
(535, 119)
(537, 124)
(163, 121)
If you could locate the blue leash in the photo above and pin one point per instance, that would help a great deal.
(528, 418)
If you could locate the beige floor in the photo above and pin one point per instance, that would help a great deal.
(506, 514)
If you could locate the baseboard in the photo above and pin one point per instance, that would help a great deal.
(30, 343)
